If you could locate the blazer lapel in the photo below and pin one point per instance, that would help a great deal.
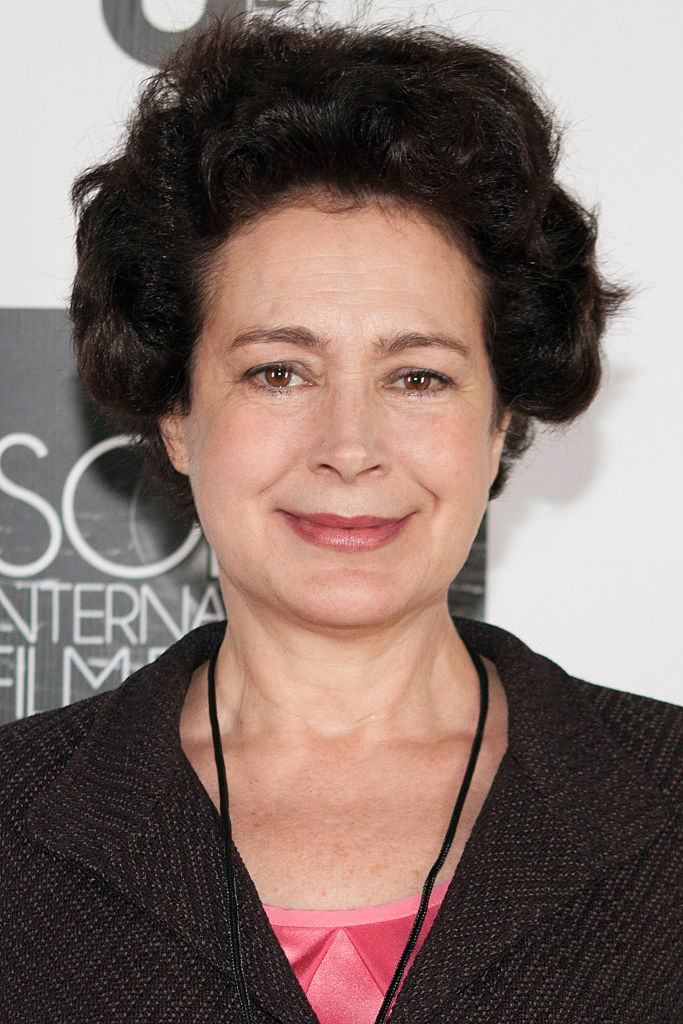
(562, 812)
(129, 807)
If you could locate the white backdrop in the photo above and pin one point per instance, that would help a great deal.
(584, 550)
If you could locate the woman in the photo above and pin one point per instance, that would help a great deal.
(331, 282)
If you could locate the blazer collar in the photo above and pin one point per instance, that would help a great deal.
(563, 810)
(129, 807)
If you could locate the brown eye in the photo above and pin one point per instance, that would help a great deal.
(277, 376)
(418, 381)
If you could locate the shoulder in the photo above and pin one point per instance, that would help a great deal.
(35, 751)
(649, 731)
(646, 733)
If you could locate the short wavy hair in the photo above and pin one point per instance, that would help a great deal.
(253, 111)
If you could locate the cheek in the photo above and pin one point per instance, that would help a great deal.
(239, 453)
(449, 453)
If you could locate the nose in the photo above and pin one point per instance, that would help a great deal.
(349, 441)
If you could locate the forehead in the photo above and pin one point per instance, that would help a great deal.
(371, 268)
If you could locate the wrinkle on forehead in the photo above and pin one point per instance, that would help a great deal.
(394, 209)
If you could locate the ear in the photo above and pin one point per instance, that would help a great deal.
(498, 432)
(172, 430)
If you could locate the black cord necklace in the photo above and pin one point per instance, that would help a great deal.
(226, 828)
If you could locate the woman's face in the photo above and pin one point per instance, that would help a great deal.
(341, 372)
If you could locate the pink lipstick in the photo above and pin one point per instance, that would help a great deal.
(355, 533)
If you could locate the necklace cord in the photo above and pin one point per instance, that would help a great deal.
(409, 947)
(233, 906)
(226, 829)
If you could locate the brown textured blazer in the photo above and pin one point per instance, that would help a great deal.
(565, 907)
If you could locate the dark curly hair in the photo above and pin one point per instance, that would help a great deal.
(252, 112)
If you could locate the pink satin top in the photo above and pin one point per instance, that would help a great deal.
(345, 959)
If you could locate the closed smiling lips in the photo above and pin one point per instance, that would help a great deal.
(356, 533)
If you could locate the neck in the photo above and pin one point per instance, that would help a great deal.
(410, 679)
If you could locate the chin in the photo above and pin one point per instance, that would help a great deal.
(351, 602)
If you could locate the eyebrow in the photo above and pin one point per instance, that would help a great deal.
(294, 335)
(414, 339)
(304, 338)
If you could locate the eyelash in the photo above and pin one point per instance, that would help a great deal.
(420, 371)
(445, 382)
(252, 374)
